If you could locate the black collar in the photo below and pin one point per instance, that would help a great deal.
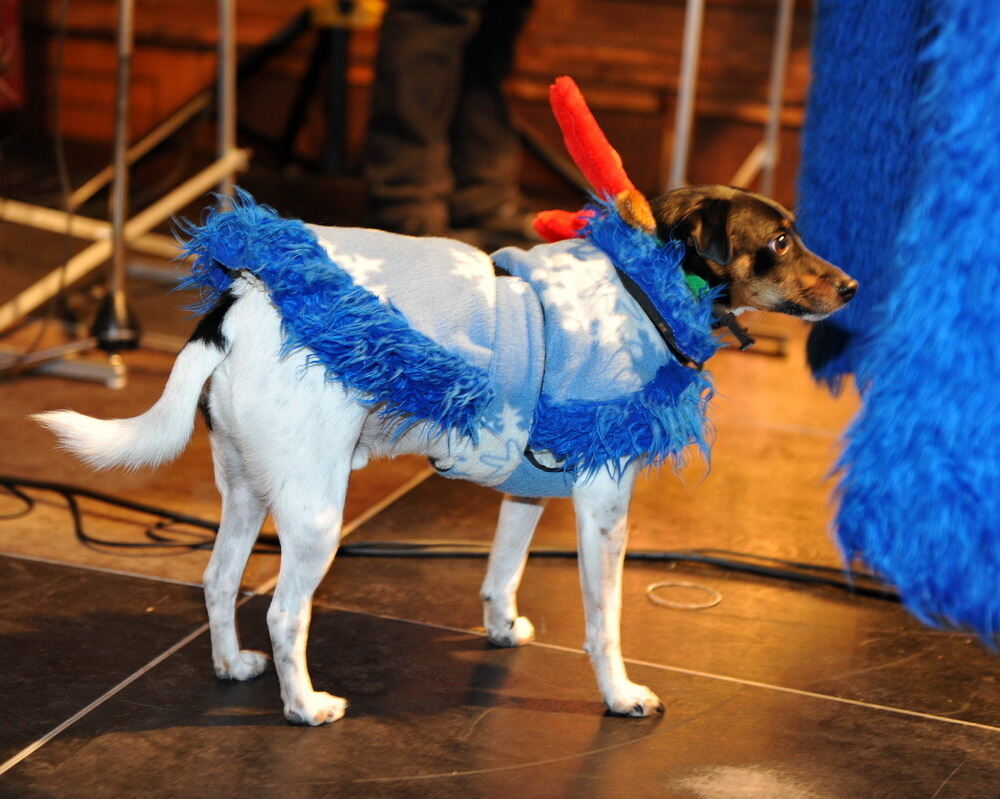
(694, 264)
(722, 316)
(642, 299)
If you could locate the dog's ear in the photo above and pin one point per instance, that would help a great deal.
(696, 220)
(709, 230)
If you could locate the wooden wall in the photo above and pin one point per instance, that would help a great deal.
(624, 53)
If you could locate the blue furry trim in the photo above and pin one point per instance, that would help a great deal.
(365, 344)
(667, 415)
(656, 267)
(651, 425)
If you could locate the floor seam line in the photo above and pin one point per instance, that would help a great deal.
(55, 731)
(688, 672)
(111, 692)
(260, 590)
(99, 569)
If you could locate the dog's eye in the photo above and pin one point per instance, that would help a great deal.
(780, 244)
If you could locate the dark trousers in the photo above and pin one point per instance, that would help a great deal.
(441, 150)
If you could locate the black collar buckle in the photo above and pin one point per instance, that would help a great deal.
(726, 318)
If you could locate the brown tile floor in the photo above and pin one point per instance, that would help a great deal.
(779, 691)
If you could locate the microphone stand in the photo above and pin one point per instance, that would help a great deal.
(115, 327)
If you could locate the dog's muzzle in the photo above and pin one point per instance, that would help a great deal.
(846, 289)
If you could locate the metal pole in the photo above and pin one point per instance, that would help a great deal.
(779, 61)
(251, 62)
(116, 326)
(119, 188)
(94, 254)
(159, 134)
(226, 131)
(686, 92)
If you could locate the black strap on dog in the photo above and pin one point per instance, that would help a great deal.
(722, 316)
(642, 299)
(695, 266)
(529, 456)
(725, 318)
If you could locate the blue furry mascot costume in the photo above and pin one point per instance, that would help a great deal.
(900, 185)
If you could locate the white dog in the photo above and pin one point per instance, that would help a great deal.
(287, 430)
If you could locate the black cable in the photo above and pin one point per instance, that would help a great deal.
(854, 582)
(67, 491)
(70, 493)
(29, 504)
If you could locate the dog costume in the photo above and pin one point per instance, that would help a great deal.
(538, 365)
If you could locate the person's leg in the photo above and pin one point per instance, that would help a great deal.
(485, 155)
(418, 76)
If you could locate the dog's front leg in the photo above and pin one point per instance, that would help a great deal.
(601, 502)
(515, 528)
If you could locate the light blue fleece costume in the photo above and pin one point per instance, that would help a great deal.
(538, 372)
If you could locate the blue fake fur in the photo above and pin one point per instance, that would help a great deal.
(656, 266)
(858, 171)
(920, 489)
(652, 425)
(668, 414)
(366, 344)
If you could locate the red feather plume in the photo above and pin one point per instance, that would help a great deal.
(590, 151)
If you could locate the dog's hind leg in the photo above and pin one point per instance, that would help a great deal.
(515, 528)
(309, 538)
(242, 515)
(308, 509)
(601, 502)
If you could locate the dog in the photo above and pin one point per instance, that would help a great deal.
(285, 438)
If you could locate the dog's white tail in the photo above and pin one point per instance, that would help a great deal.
(156, 436)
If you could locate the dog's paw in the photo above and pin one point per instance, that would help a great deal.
(248, 665)
(634, 700)
(316, 708)
(514, 633)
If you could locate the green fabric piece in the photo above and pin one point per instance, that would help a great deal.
(697, 284)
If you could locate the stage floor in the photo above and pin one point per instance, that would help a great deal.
(781, 690)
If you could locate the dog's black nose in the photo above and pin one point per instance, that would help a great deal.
(847, 289)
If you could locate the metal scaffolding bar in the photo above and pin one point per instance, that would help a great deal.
(111, 238)
(686, 90)
(763, 159)
(97, 253)
(226, 121)
(779, 62)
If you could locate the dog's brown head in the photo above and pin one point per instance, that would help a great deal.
(748, 244)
